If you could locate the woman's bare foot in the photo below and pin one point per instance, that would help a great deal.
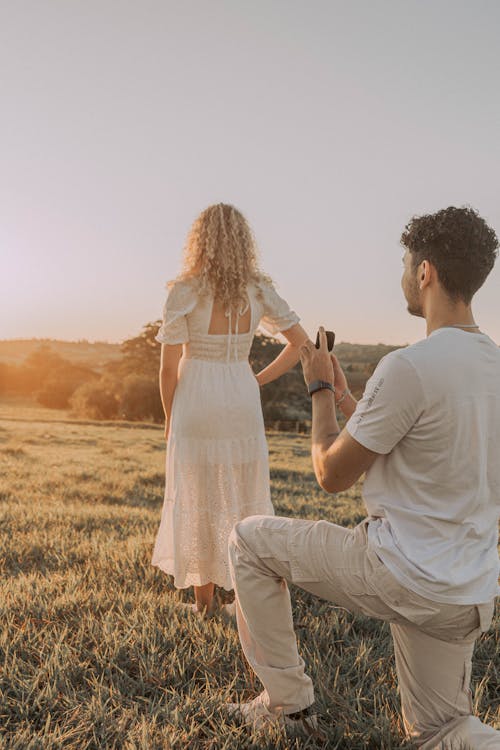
(191, 608)
(204, 599)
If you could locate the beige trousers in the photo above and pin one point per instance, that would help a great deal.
(433, 642)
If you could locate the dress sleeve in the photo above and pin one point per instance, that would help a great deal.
(277, 315)
(392, 403)
(181, 300)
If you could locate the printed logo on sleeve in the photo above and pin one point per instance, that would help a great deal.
(371, 399)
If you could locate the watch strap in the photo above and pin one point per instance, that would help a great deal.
(320, 385)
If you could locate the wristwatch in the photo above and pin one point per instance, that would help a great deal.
(320, 385)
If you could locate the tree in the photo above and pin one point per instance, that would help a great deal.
(43, 360)
(141, 354)
(285, 398)
(140, 399)
(96, 400)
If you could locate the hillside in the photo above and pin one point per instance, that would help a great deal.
(120, 381)
(99, 353)
(94, 355)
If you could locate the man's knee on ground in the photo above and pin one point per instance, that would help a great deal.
(460, 732)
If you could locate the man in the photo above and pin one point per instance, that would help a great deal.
(427, 434)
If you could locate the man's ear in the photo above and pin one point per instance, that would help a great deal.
(424, 274)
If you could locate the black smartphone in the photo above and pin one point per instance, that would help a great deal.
(330, 340)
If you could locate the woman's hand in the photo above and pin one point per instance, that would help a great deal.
(317, 364)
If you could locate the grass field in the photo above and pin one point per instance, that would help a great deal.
(95, 652)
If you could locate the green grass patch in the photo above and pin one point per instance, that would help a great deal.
(94, 649)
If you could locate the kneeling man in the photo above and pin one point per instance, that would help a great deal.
(427, 434)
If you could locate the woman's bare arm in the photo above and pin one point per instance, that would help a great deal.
(287, 358)
(169, 365)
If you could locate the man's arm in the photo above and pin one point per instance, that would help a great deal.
(338, 459)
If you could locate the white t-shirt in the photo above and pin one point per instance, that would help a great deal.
(433, 411)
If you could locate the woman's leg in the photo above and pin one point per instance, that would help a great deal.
(203, 596)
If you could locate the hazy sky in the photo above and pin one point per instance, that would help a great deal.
(329, 124)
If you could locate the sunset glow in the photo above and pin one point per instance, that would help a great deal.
(119, 128)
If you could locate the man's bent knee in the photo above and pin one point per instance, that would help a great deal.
(244, 531)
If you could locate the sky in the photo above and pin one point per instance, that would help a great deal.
(328, 124)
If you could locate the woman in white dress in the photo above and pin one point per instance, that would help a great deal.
(217, 469)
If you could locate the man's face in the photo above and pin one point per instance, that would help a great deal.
(410, 288)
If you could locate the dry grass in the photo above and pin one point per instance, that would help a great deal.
(94, 651)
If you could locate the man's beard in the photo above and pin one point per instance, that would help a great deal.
(414, 306)
(415, 309)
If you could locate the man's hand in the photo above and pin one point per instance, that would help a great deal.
(340, 378)
(317, 364)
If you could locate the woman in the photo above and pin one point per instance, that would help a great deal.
(217, 460)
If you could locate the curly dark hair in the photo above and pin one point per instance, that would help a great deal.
(459, 243)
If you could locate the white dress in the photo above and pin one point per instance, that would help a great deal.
(217, 470)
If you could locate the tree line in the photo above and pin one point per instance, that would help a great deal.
(127, 388)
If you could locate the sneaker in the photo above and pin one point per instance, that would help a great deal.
(303, 722)
(256, 714)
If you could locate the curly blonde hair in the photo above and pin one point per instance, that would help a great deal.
(221, 254)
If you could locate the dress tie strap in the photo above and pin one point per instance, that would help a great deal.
(236, 336)
(228, 314)
(233, 337)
